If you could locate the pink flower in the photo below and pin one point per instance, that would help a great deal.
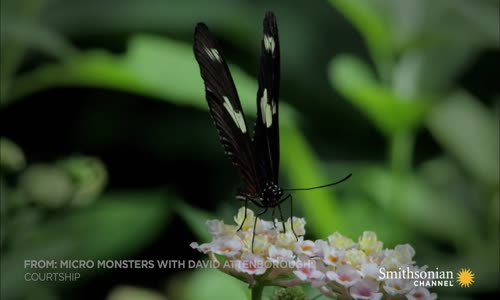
(250, 264)
(204, 248)
(365, 289)
(397, 286)
(227, 246)
(305, 247)
(370, 270)
(278, 255)
(332, 256)
(306, 270)
(345, 275)
(421, 293)
(216, 227)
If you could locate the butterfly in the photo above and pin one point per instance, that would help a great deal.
(257, 157)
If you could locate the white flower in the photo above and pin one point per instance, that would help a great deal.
(278, 255)
(305, 247)
(369, 243)
(306, 269)
(272, 255)
(365, 289)
(397, 286)
(421, 293)
(370, 270)
(354, 257)
(286, 240)
(264, 226)
(319, 246)
(298, 226)
(249, 220)
(260, 243)
(216, 227)
(390, 263)
(317, 279)
(332, 256)
(340, 242)
(345, 275)
(227, 246)
(204, 248)
(250, 264)
(404, 254)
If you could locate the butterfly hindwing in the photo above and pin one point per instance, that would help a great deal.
(225, 108)
(266, 137)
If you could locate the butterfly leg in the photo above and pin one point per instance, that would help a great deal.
(244, 217)
(291, 212)
(282, 219)
(255, 225)
(291, 216)
(274, 219)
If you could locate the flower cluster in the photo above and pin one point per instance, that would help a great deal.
(269, 253)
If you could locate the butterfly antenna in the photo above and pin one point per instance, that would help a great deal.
(321, 186)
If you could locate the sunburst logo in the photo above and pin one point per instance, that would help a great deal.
(465, 277)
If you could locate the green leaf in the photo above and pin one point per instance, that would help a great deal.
(11, 156)
(116, 226)
(196, 219)
(209, 284)
(371, 24)
(146, 69)
(134, 293)
(89, 176)
(303, 169)
(413, 201)
(390, 230)
(469, 132)
(153, 66)
(392, 114)
(34, 36)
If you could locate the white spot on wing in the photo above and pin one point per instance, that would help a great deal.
(235, 115)
(266, 110)
(213, 54)
(269, 43)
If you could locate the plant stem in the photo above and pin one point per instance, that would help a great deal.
(257, 292)
(401, 151)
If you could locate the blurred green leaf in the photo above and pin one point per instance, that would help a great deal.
(447, 23)
(134, 293)
(14, 40)
(34, 35)
(209, 284)
(482, 17)
(11, 156)
(353, 79)
(391, 231)
(116, 226)
(47, 185)
(153, 66)
(412, 201)
(196, 219)
(469, 132)
(88, 175)
(299, 162)
(407, 39)
(147, 70)
(372, 26)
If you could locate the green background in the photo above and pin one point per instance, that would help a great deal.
(108, 151)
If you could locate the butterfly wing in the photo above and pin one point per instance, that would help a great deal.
(266, 137)
(225, 108)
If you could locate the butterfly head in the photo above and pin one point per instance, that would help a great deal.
(271, 194)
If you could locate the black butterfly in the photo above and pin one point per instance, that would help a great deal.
(257, 159)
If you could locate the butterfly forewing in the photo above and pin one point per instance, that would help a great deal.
(266, 138)
(225, 108)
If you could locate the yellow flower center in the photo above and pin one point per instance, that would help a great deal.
(306, 248)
